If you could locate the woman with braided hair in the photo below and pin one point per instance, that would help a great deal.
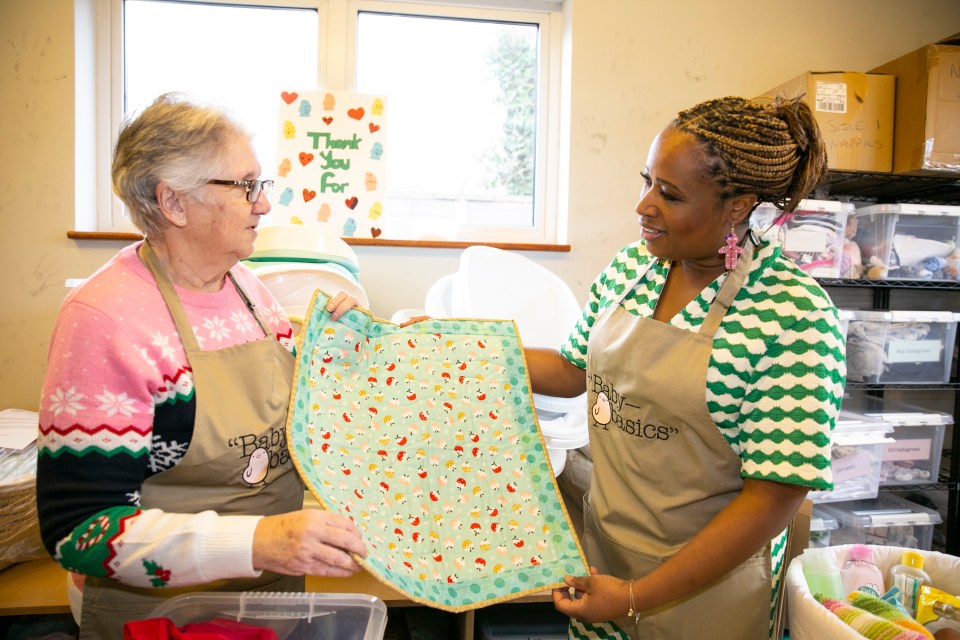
(714, 369)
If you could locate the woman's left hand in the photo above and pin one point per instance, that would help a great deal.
(340, 304)
(597, 598)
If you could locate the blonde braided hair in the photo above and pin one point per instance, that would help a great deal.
(774, 151)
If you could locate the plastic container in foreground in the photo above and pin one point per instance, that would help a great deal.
(887, 520)
(812, 236)
(909, 241)
(900, 347)
(293, 616)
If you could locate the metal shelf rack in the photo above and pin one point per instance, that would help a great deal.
(889, 188)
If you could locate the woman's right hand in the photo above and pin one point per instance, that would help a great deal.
(308, 542)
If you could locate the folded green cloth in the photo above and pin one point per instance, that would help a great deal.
(867, 624)
(887, 611)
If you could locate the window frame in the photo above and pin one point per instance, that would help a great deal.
(99, 98)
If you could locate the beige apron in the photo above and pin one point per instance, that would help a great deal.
(662, 469)
(237, 461)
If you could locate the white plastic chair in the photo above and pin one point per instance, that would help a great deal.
(496, 284)
(293, 261)
(493, 283)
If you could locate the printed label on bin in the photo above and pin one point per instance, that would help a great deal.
(899, 351)
(805, 241)
(856, 465)
(427, 438)
(918, 449)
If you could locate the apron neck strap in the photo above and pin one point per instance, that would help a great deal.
(730, 288)
(165, 285)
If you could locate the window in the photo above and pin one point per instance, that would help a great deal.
(472, 94)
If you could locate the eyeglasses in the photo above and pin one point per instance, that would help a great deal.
(254, 187)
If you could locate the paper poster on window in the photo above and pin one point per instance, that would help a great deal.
(330, 154)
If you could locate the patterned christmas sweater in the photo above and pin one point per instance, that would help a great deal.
(777, 370)
(118, 407)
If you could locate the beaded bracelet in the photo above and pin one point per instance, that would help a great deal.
(632, 611)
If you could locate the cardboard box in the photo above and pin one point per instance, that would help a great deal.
(927, 113)
(855, 114)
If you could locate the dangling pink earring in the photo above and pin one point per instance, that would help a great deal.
(732, 251)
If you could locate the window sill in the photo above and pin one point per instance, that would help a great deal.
(357, 242)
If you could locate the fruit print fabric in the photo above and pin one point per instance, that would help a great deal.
(427, 438)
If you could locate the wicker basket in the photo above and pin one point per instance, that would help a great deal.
(19, 528)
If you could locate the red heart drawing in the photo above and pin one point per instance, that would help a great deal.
(351, 202)
(289, 97)
(305, 158)
(327, 119)
(374, 128)
(309, 195)
(356, 114)
(374, 232)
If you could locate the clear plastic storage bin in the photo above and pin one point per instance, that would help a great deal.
(856, 453)
(812, 236)
(887, 520)
(909, 241)
(891, 347)
(292, 616)
(914, 455)
(822, 524)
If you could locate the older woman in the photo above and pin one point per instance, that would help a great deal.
(714, 369)
(163, 464)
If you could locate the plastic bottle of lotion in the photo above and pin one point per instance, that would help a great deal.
(859, 573)
(909, 576)
(822, 574)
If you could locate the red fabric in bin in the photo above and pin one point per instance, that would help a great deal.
(216, 629)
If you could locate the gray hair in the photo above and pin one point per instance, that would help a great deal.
(175, 140)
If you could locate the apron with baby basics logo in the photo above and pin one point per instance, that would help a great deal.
(662, 470)
(237, 461)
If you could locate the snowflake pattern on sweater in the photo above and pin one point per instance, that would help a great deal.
(117, 407)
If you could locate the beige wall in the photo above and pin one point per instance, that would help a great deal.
(634, 64)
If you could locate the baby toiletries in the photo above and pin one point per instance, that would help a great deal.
(909, 576)
(935, 604)
(859, 573)
(822, 573)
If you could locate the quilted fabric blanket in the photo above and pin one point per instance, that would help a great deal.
(426, 437)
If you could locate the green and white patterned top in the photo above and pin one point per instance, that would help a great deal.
(778, 367)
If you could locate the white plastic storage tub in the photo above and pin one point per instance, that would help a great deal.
(812, 236)
(886, 520)
(918, 433)
(891, 347)
(856, 453)
(293, 616)
(822, 524)
(809, 620)
(909, 241)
